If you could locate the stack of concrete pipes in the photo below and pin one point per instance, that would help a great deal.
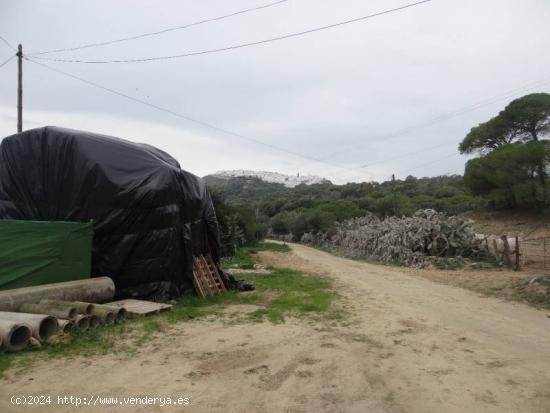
(45, 310)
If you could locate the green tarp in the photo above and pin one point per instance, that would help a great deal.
(36, 252)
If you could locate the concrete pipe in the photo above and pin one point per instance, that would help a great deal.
(55, 310)
(79, 306)
(105, 315)
(65, 325)
(94, 321)
(93, 290)
(42, 325)
(120, 312)
(82, 322)
(14, 336)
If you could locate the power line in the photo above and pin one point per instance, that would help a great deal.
(442, 158)
(431, 122)
(441, 118)
(158, 32)
(239, 46)
(6, 61)
(405, 155)
(8, 44)
(455, 172)
(225, 131)
(179, 115)
(402, 156)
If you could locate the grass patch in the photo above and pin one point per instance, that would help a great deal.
(537, 295)
(269, 246)
(294, 294)
(244, 257)
(535, 299)
(5, 362)
(281, 293)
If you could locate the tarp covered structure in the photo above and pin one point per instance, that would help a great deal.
(41, 252)
(149, 216)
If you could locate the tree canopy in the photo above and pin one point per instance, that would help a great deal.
(529, 117)
(508, 176)
(524, 119)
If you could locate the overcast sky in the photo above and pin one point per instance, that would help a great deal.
(394, 94)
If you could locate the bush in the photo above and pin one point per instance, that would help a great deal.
(239, 225)
(510, 176)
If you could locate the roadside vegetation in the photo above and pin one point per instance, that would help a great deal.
(280, 294)
(246, 257)
(536, 294)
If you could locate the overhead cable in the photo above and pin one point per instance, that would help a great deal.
(174, 113)
(6, 61)
(158, 32)
(238, 46)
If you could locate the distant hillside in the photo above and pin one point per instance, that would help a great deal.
(243, 189)
(318, 207)
(288, 181)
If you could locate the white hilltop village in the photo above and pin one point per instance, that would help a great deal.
(290, 181)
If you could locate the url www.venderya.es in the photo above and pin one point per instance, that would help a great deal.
(96, 400)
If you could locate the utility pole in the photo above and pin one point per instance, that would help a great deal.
(394, 194)
(19, 89)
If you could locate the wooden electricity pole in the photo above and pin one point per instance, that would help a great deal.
(19, 89)
(394, 195)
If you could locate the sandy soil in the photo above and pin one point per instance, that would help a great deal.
(410, 345)
(525, 224)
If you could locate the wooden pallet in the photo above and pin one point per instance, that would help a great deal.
(141, 307)
(206, 277)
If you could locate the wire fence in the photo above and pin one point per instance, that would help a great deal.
(535, 253)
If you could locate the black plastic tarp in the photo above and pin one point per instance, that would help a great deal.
(149, 216)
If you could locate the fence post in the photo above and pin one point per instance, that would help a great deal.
(495, 247)
(544, 253)
(517, 253)
(506, 250)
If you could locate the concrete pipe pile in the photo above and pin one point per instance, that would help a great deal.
(42, 325)
(120, 312)
(94, 290)
(106, 315)
(14, 336)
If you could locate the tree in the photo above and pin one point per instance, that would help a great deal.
(524, 119)
(233, 236)
(509, 175)
(238, 224)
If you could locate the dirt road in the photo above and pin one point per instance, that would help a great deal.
(411, 345)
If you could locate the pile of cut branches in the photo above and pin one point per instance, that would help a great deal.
(414, 240)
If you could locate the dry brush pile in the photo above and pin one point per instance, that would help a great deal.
(414, 240)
